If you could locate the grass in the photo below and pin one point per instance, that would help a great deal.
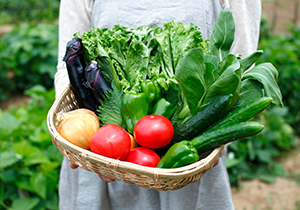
(297, 203)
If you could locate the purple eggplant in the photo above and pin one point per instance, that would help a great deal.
(76, 66)
(95, 80)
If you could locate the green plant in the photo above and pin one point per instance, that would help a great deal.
(28, 56)
(297, 203)
(283, 52)
(30, 163)
(256, 157)
(33, 11)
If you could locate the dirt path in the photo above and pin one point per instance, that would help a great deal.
(284, 194)
(282, 13)
(13, 100)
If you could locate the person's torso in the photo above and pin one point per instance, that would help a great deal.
(132, 13)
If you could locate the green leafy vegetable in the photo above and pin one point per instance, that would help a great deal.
(247, 62)
(110, 110)
(191, 70)
(177, 56)
(223, 35)
(267, 74)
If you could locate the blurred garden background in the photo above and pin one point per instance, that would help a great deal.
(265, 166)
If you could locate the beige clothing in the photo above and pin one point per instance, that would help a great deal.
(80, 189)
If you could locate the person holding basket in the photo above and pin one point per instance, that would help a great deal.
(81, 189)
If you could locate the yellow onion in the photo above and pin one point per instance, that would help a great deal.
(78, 126)
(134, 144)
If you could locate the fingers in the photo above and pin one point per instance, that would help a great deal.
(73, 166)
(216, 161)
(106, 179)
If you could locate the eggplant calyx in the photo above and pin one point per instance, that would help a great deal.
(74, 48)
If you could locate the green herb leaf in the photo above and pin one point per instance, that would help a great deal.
(36, 157)
(247, 62)
(233, 162)
(250, 90)
(25, 203)
(110, 109)
(229, 82)
(23, 148)
(223, 35)
(8, 122)
(190, 74)
(8, 158)
(267, 74)
(38, 182)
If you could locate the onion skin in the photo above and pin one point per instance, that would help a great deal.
(78, 126)
(134, 144)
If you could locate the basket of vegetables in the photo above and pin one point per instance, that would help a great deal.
(155, 106)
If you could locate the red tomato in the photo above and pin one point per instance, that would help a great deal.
(143, 156)
(153, 131)
(111, 141)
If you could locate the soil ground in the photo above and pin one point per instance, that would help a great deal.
(14, 100)
(282, 14)
(284, 194)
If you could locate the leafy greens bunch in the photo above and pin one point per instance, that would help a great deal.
(192, 71)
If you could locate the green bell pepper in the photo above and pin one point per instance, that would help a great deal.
(179, 154)
(133, 107)
(164, 108)
(152, 90)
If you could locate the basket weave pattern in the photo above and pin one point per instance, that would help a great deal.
(153, 178)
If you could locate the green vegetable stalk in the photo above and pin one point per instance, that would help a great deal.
(133, 107)
(164, 108)
(180, 154)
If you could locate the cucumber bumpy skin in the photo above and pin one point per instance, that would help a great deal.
(243, 113)
(202, 119)
(217, 137)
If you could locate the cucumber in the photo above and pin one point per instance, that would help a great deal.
(243, 113)
(215, 138)
(202, 119)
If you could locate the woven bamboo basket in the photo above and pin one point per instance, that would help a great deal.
(146, 177)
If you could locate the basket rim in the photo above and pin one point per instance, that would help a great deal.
(200, 166)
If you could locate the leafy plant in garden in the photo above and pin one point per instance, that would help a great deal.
(28, 56)
(33, 11)
(29, 162)
(283, 52)
(256, 157)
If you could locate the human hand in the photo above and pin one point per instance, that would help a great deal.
(216, 161)
(104, 178)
